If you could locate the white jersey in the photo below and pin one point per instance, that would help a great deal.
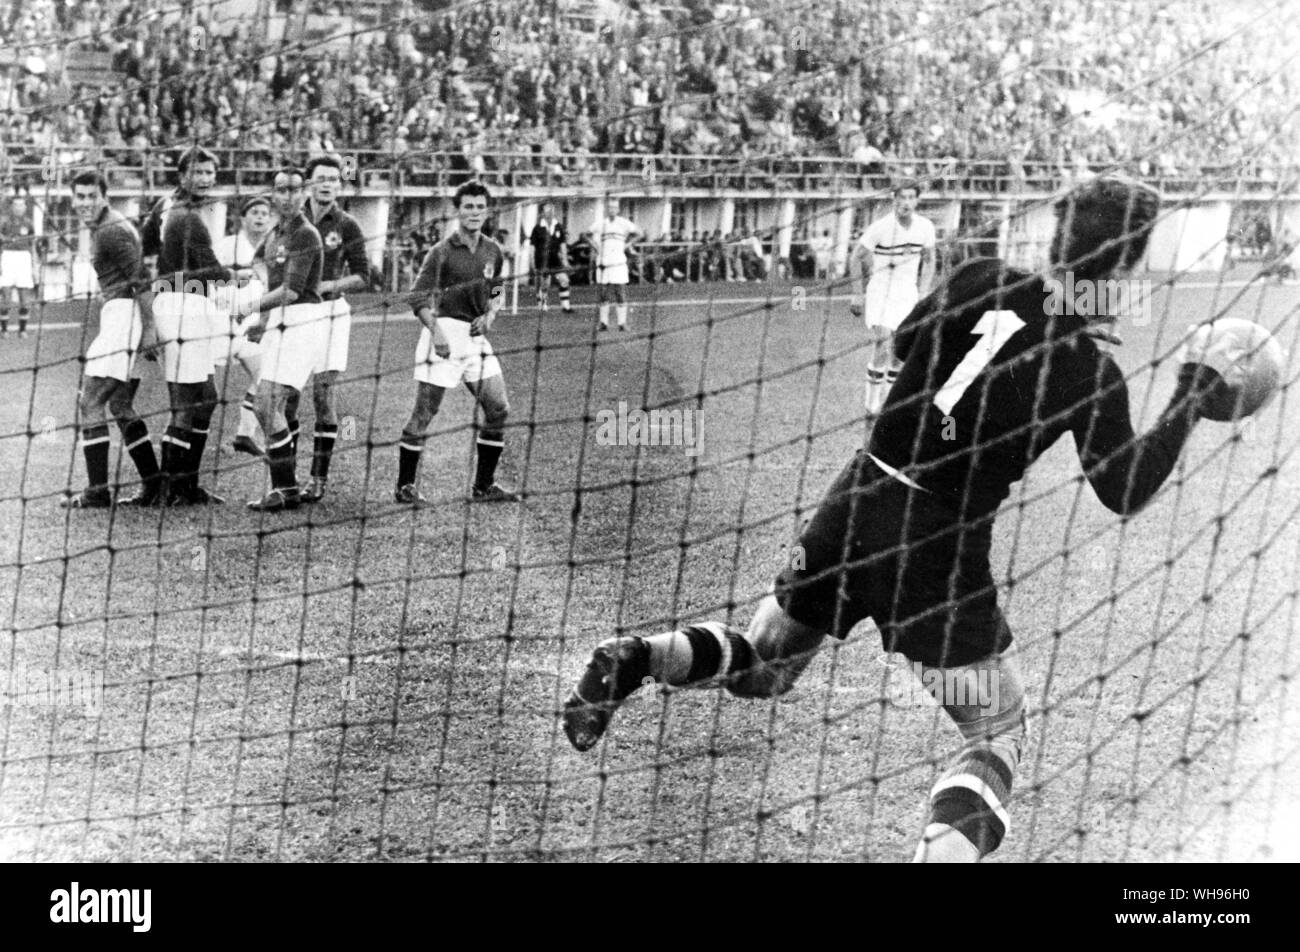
(235, 251)
(611, 237)
(896, 254)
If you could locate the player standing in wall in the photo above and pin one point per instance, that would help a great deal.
(895, 259)
(292, 329)
(346, 268)
(238, 251)
(188, 320)
(115, 256)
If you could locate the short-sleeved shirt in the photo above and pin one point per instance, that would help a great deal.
(294, 257)
(17, 232)
(345, 245)
(611, 237)
(896, 251)
(115, 255)
(467, 279)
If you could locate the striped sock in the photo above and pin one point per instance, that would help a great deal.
(408, 461)
(972, 795)
(293, 432)
(698, 653)
(323, 449)
(94, 444)
(175, 454)
(135, 436)
(875, 385)
(565, 301)
(198, 440)
(490, 445)
(280, 458)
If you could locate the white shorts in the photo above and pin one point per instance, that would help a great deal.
(471, 358)
(228, 340)
(886, 306)
(16, 270)
(185, 328)
(339, 313)
(612, 274)
(112, 352)
(296, 341)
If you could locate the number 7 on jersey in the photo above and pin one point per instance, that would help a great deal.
(994, 328)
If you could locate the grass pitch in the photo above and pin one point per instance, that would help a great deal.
(357, 681)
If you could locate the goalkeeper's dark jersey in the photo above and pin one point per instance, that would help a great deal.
(991, 379)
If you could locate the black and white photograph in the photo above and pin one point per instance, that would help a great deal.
(623, 431)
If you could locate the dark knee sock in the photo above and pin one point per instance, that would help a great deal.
(490, 445)
(135, 437)
(408, 458)
(323, 449)
(292, 421)
(280, 457)
(699, 653)
(94, 444)
(176, 455)
(198, 440)
(22, 319)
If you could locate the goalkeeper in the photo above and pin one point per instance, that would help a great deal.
(991, 377)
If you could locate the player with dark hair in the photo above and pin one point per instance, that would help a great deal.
(346, 269)
(992, 376)
(238, 251)
(550, 258)
(891, 267)
(456, 296)
(115, 256)
(613, 236)
(293, 329)
(18, 262)
(190, 326)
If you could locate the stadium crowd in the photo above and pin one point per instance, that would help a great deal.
(1166, 86)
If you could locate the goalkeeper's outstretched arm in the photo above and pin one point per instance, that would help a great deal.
(1124, 469)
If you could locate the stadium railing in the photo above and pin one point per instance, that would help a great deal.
(386, 169)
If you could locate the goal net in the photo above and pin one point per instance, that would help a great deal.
(359, 679)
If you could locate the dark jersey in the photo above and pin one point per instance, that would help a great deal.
(178, 235)
(17, 233)
(548, 241)
(462, 281)
(990, 380)
(115, 256)
(345, 245)
(294, 256)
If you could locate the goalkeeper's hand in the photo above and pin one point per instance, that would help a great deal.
(1196, 381)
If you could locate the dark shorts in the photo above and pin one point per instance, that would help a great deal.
(879, 549)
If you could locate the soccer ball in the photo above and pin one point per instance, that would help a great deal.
(1249, 361)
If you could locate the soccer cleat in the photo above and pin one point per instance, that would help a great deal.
(617, 668)
(314, 491)
(144, 499)
(246, 444)
(277, 500)
(622, 327)
(604, 327)
(88, 499)
(494, 493)
(194, 496)
(408, 495)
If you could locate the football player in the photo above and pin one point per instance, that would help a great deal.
(238, 251)
(18, 245)
(188, 321)
(115, 256)
(293, 328)
(613, 237)
(346, 269)
(456, 296)
(991, 378)
(550, 258)
(895, 259)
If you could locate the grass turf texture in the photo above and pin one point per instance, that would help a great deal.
(359, 681)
